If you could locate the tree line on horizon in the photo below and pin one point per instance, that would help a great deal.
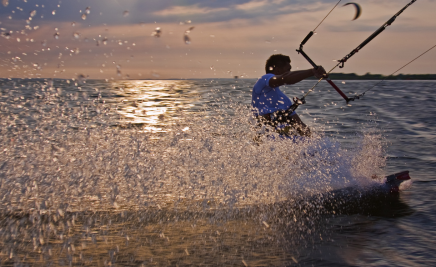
(369, 76)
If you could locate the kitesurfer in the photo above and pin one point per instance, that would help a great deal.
(270, 104)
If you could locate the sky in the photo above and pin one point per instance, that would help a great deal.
(117, 39)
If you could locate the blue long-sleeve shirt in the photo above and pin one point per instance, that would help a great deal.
(266, 99)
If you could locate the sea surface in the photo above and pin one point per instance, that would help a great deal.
(176, 173)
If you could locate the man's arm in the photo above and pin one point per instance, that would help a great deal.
(292, 77)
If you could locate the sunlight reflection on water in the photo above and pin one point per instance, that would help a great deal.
(154, 103)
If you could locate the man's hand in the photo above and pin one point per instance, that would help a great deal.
(320, 72)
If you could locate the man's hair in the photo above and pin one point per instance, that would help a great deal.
(276, 60)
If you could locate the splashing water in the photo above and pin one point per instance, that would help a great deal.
(73, 173)
(197, 159)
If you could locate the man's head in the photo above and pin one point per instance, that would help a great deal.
(278, 64)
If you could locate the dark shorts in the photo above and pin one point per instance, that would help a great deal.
(277, 119)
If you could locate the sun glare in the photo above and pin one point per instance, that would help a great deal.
(151, 104)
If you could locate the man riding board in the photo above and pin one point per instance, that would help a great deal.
(270, 104)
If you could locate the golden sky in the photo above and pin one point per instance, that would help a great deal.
(113, 39)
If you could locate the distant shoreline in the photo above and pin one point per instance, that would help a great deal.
(369, 76)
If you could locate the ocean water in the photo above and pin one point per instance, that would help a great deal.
(166, 173)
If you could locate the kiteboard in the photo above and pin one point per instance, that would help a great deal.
(369, 199)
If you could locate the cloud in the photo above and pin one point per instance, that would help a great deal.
(187, 11)
(111, 12)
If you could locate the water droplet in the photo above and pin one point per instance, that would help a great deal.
(186, 39)
(73, 23)
(33, 13)
(6, 35)
(105, 41)
(76, 35)
(88, 10)
(126, 13)
(56, 35)
(343, 82)
(84, 16)
(189, 30)
(118, 70)
(157, 32)
(53, 12)
(44, 43)
(18, 40)
(185, 22)
(155, 74)
(5, 2)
